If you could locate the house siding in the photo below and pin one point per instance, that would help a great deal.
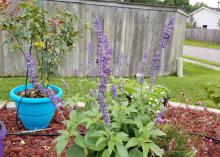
(206, 17)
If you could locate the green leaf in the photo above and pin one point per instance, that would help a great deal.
(101, 140)
(122, 150)
(135, 153)
(123, 136)
(155, 133)
(80, 141)
(150, 126)
(60, 146)
(91, 139)
(111, 146)
(155, 149)
(139, 123)
(132, 142)
(75, 151)
(106, 153)
(145, 148)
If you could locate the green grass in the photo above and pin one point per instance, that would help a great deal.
(202, 60)
(191, 84)
(195, 77)
(202, 44)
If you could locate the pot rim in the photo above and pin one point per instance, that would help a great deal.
(16, 98)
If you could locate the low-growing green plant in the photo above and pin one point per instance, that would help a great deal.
(213, 94)
(132, 129)
(120, 120)
(175, 143)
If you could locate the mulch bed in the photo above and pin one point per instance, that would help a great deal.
(29, 146)
(201, 125)
(196, 122)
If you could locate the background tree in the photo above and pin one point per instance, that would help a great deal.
(196, 6)
(191, 23)
(219, 23)
(183, 4)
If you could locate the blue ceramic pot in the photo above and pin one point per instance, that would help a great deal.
(35, 113)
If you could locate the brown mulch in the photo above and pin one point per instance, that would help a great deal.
(199, 124)
(29, 146)
(193, 122)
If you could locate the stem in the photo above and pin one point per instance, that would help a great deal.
(38, 59)
(22, 51)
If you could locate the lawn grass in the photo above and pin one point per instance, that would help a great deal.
(190, 85)
(201, 60)
(202, 44)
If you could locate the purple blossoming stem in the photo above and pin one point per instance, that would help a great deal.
(104, 52)
(65, 85)
(57, 102)
(143, 62)
(120, 64)
(122, 86)
(90, 59)
(75, 72)
(140, 74)
(159, 118)
(155, 65)
(114, 91)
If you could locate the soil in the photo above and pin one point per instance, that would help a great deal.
(196, 122)
(33, 93)
(204, 127)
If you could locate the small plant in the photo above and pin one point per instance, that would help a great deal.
(175, 143)
(213, 94)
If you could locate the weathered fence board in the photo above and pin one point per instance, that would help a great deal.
(132, 29)
(208, 35)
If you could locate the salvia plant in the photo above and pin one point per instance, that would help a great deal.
(28, 24)
(121, 118)
(57, 102)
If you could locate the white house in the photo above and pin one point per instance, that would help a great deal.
(206, 18)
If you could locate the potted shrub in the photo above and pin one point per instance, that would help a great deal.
(2, 135)
(48, 38)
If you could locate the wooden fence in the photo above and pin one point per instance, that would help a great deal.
(208, 35)
(131, 28)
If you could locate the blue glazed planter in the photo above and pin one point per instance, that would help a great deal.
(35, 113)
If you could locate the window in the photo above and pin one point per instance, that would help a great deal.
(205, 26)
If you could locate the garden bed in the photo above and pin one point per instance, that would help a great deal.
(194, 122)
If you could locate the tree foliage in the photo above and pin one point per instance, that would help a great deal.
(183, 4)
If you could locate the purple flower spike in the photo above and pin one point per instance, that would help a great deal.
(140, 78)
(120, 64)
(143, 62)
(90, 59)
(75, 72)
(104, 52)
(159, 118)
(65, 85)
(57, 102)
(122, 86)
(31, 68)
(155, 65)
(114, 91)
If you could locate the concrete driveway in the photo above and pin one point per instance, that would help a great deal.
(203, 53)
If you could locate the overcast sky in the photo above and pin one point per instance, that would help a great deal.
(211, 3)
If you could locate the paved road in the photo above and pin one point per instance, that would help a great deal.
(203, 53)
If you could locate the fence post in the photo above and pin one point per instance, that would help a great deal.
(179, 67)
